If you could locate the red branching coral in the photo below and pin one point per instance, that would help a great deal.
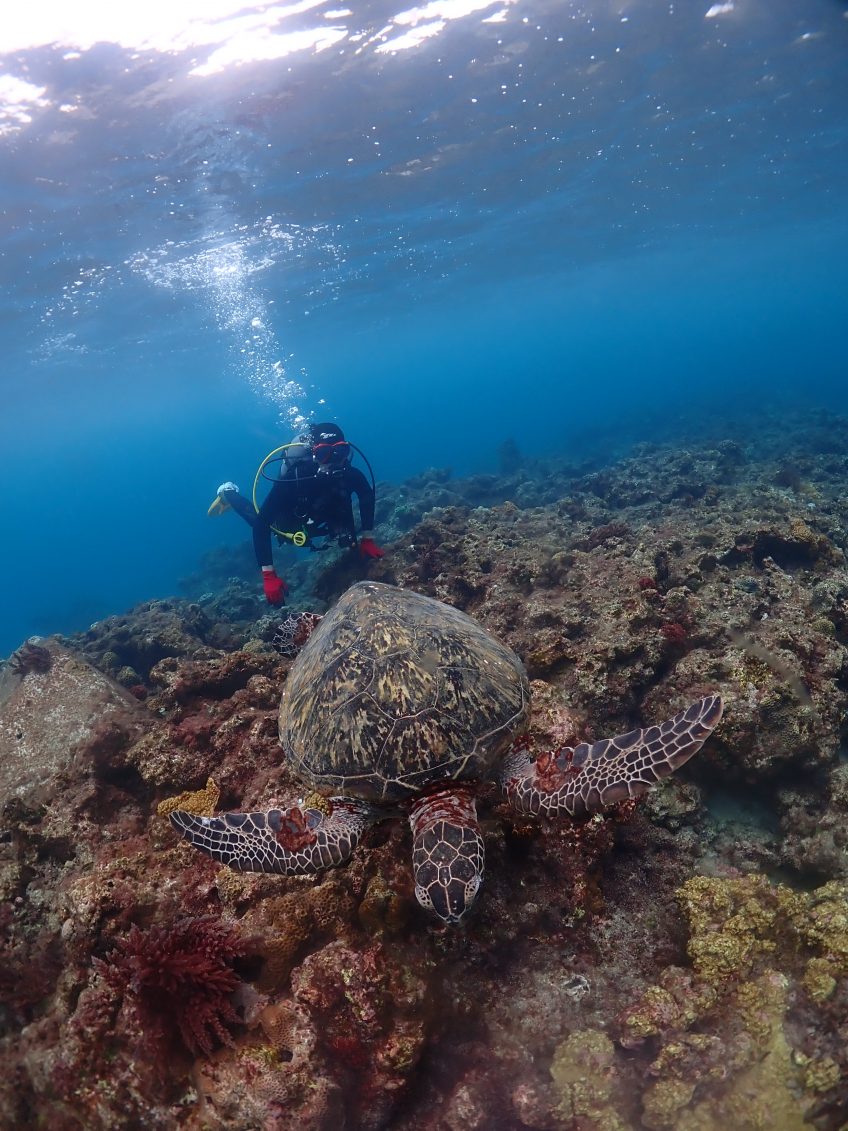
(674, 633)
(647, 583)
(180, 972)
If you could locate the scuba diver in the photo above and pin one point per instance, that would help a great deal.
(312, 498)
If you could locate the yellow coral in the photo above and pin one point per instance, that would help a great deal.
(764, 1096)
(583, 1073)
(318, 801)
(734, 924)
(818, 545)
(733, 921)
(266, 1054)
(761, 1097)
(821, 1075)
(721, 955)
(801, 532)
(235, 887)
(382, 909)
(761, 1005)
(657, 1010)
(822, 922)
(202, 802)
(677, 1056)
(674, 1004)
(663, 1103)
(818, 979)
(403, 1050)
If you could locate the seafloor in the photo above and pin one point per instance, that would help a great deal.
(680, 964)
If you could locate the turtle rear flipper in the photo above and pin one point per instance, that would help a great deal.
(588, 778)
(293, 842)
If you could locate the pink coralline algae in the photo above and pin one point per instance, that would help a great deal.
(179, 974)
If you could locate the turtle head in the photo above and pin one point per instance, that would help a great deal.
(447, 853)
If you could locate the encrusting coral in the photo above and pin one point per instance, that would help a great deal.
(201, 801)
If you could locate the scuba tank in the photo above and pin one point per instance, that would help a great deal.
(297, 460)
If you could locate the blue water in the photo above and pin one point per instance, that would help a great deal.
(570, 224)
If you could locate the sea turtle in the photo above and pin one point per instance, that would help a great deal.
(398, 703)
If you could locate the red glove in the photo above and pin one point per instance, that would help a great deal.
(368, 548)
(275, 588)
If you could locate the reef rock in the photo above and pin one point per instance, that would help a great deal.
(48, 716)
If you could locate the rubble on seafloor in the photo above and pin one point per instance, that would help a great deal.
(678, 964)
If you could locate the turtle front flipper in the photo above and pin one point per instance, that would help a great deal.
(588, 778)
(293, 632)
(447, 852)
(292, 842)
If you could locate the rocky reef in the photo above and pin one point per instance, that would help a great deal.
(677, 964)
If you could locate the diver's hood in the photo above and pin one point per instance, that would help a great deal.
(326, 433)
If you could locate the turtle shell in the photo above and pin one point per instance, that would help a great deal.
(395, 692)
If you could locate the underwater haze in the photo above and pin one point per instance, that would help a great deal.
(572, 225)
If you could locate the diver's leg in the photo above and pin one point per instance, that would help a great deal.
(243, 507)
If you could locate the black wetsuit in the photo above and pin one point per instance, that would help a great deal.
(305, 493)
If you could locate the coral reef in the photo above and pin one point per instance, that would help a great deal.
(679, 964)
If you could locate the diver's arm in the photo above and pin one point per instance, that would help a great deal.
(359, 486)
(275, 588)
(272, 505)
(262, 543)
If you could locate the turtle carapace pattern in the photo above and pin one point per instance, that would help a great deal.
(399, 703)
